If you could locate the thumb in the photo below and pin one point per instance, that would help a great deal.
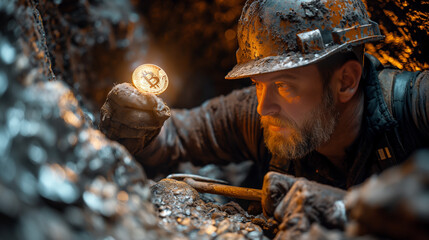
(275, 187)
(126, 95)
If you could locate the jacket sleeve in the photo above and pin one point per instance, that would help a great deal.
(222, 130)
(420, 103)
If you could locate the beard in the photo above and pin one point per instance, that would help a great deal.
(299, 141)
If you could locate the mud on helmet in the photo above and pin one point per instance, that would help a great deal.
(275, 35)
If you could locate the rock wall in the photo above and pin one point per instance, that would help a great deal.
(91, 44)
(59, 177)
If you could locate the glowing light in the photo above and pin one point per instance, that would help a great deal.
(150, 78)
(72, 119)
(96, 139)
(230, 34)
(122, 196)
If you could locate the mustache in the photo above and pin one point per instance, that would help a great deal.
(275, 121)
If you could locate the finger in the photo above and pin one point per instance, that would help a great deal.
(269, 193)
(297, 221)
(117, 131)
(137, 119)
(293, 201)
(125, 95)
(274, 188)
(316, 201)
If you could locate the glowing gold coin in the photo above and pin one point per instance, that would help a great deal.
(150, 78)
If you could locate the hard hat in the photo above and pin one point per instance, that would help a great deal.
(275, 35)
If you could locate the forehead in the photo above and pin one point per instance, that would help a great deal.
(308, 73)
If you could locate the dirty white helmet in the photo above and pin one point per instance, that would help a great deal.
(275, 35)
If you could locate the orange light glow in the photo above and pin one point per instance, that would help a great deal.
(70, 118)
(400, 22)
(122, 196)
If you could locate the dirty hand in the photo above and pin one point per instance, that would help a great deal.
(129, 113)
(274, 188)
(297, 202)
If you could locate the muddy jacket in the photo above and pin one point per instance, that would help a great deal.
(227, 129)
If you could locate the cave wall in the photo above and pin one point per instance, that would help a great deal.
(91, 44)
(406, 27)
(59, 177)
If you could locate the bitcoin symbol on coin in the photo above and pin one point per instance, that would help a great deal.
(150, 78)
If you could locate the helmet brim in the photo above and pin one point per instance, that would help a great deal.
(290, 60)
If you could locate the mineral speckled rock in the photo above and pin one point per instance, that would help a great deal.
(59, 177)
(91, 44)
(182, 210)
(58, 170)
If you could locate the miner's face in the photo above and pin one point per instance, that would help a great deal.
(297, 113)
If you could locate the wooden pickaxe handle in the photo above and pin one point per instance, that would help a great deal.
(225, 190)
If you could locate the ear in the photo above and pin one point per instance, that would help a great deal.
(349, 79)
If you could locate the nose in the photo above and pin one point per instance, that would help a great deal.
(267, 104)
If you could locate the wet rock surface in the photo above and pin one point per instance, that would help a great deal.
(59, 177)
(62, 179)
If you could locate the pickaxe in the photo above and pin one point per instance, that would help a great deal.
(215, 186)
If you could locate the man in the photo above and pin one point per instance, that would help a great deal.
(320, 109)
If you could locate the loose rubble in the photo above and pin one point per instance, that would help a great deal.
(181, 210)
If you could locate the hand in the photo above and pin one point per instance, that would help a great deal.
(298, 202)
(129, 113)
(274, 189)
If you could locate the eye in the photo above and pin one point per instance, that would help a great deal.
(257, 84)
(287, 91)
(282, 86)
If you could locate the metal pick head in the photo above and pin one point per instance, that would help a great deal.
(150, 78)
(182, 176)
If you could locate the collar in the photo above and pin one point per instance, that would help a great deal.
(376, 112)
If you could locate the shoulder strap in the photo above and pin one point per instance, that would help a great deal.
(386, 79)
(394, 84)
(403, 82)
